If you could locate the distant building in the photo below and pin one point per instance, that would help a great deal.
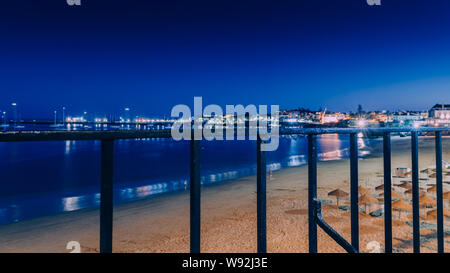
(333, 117)
(406, 116)
(439, 114)
(298, 116)
(440, 111)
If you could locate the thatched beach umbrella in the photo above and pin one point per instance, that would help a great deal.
(394, 195)
(338, 193)
(380, 187)
(367, 199)
(446, 195)
(429, 169)
(362, 190)
(405, 184)
(409, 192)
(426, 201)
(433, 213)
(400, 206)
(432, 189)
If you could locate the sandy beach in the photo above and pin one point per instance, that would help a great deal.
(161, 224)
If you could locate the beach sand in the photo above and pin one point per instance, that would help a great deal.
(161, 224)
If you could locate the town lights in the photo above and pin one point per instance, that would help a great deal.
(361, 123)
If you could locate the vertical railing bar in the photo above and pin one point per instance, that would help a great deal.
(354, 190)
(415, 191)
(439, 192)
(195, 192)
(387, 193)
(106, 196)
(312, 192)
(261, 199)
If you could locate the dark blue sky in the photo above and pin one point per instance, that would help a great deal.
(152, 55)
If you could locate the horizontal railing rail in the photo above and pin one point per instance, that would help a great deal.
(314, 207)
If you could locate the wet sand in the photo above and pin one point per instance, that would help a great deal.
(161, 224)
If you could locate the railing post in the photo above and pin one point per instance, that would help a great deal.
(439, 202)
(312, 193)
(261, 198)
(354, 190)
(195, 186)
(387, 193)
(106, 196)
(415, 190)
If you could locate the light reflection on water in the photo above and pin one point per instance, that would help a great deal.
(68, 146)
(73, 203)
(292, 153)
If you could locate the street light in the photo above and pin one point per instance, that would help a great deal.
(4, 117)
(127, 113)
(14, 106)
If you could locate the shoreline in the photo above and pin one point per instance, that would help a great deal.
(161, 223)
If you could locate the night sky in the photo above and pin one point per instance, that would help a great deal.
(151, 55)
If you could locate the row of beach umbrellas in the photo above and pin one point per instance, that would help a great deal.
(399, 205)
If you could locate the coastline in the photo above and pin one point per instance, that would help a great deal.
(161, 223)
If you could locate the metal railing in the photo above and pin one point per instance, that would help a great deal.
(314, 206)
